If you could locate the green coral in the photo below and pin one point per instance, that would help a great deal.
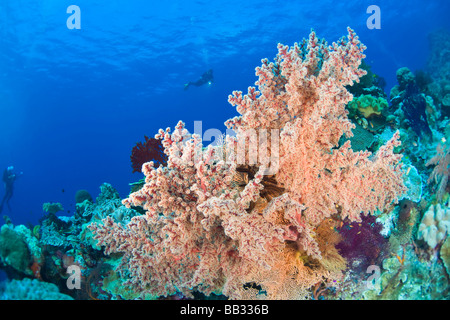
(14, 251)
(82, 195)
(367, 105)
(19, 248)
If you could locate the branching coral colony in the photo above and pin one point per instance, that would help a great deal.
(215, 225)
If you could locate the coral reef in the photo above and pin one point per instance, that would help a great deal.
(20, 253)
(58, 242)
(27, 289)
(52, 207)
(406, 219)
(334, 191)
(407, 277)
(410, 103)
(204, 232)
(441, 170)
(82, 195)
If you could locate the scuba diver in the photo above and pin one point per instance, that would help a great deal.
(207, 77)
(9, 177)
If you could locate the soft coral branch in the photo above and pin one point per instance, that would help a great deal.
(203, 231)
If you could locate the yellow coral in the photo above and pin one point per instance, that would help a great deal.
(367, 105)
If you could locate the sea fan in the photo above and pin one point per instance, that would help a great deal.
(149, 150)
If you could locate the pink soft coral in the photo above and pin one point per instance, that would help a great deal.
(207, 228)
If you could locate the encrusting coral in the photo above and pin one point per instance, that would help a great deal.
(247, 226)
(31, 289)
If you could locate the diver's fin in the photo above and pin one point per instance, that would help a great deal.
(186, 85)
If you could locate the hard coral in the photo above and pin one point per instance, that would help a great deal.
(82, 195)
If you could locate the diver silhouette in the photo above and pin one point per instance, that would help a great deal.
(9, 177)
(207, 77)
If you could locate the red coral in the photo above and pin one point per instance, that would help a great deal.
(149, 150)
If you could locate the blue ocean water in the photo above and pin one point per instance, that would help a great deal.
(73, 102)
